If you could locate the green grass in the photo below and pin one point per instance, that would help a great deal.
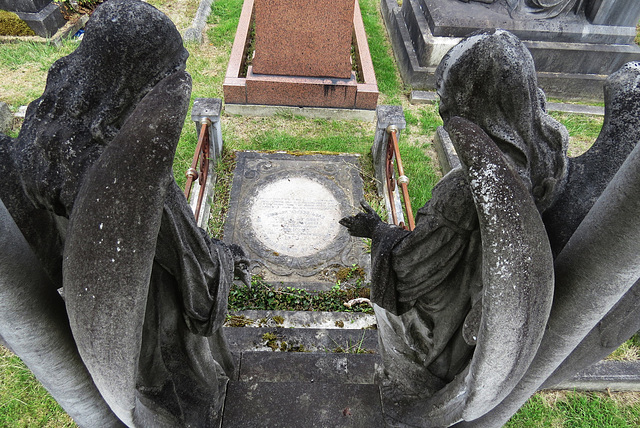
(580, 126)
(224, 17)
(23, 401)
(23, 68)
(583, 130)
(576, 410)
(15, 55)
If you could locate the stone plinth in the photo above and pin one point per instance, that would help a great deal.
(286, 85)
(310, 38)
(284, 212)
(42, 16)
(573, 56)
(299, 91)
(614, 12)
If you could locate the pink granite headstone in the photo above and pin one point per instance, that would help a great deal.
(303, 38)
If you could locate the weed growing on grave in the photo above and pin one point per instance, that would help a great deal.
(349, 348)
(353, 273)
(274, 342)
(220, 202)
(69, 8)
(263, 296)
(238, 321)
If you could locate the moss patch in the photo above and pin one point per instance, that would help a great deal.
(238, 321)
(11, 25)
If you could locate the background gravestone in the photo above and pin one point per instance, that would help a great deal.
(573, 52)
(305, 56)
(311, 39)
(6, 118)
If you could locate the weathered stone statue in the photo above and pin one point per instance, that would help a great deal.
(463, 300)
(90, 206)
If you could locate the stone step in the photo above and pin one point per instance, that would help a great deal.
(306, 367)
(301, 319)
(289, 346)
(431, 97)
(242, 339)
(288, 390)
(256, 404)
(605, 375)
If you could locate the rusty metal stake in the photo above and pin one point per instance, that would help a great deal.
(202, 155)
(391, 183)
(403, 180)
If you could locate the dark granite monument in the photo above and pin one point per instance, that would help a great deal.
(524, 266)
(575, 44)
(90, 210)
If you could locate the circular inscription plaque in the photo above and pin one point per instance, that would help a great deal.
(295, 217)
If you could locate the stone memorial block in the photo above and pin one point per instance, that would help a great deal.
(309, 38)
(300, 55)
(284, 211)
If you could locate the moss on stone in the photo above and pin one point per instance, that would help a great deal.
(11, 25)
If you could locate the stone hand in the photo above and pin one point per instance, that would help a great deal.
(240, 264)
(362, 224)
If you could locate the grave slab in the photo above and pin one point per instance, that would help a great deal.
(306, 319)
(284, 212)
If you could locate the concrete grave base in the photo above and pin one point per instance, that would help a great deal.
(309, 112)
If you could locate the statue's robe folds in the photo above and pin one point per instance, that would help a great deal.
(427, 282)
